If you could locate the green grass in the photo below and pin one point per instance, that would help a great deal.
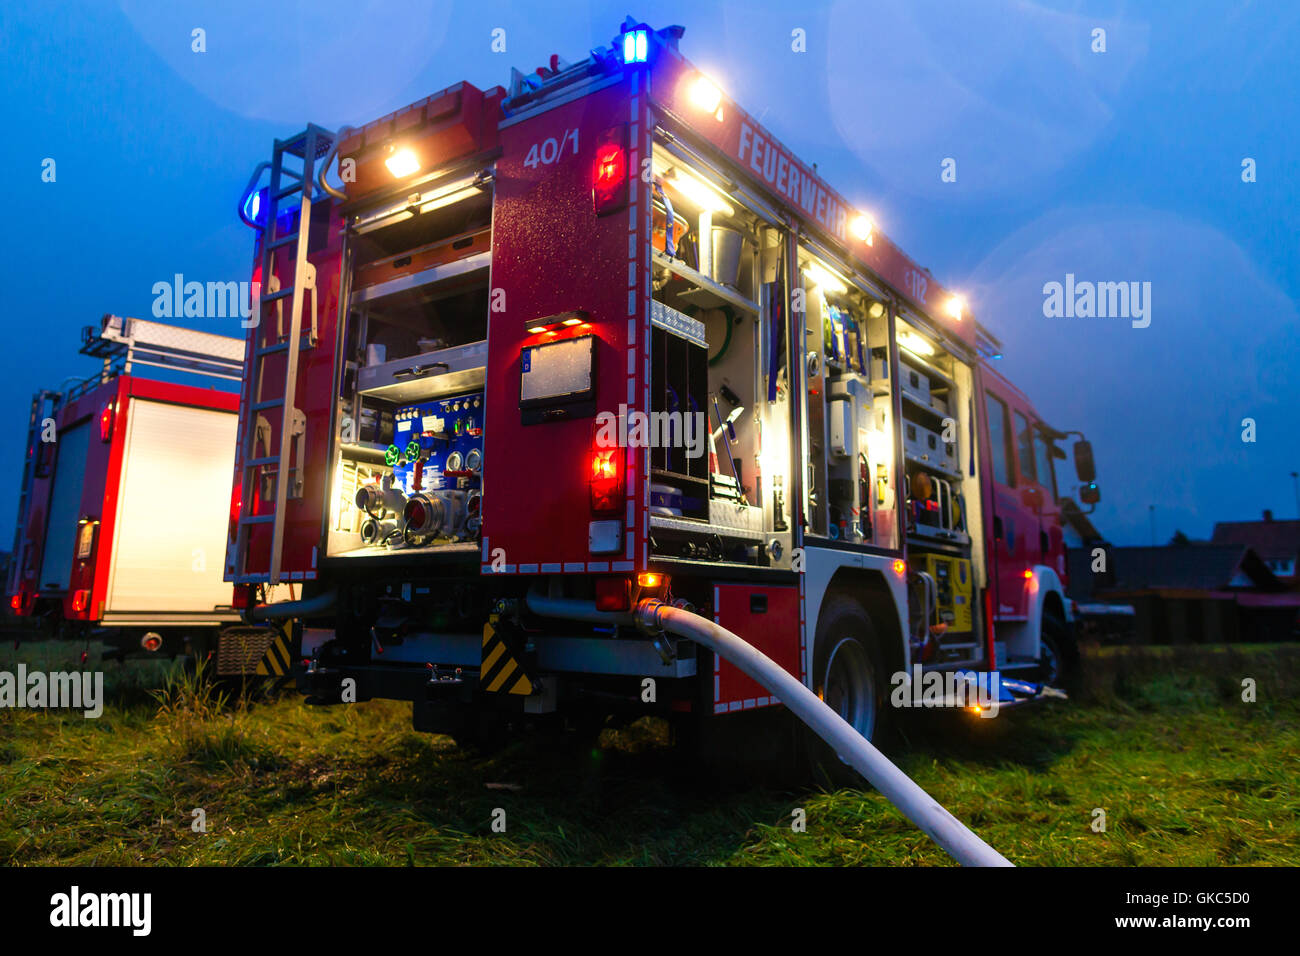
(1187, 773)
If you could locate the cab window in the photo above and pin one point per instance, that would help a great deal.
(1043, 463)
(1025, 447)
(1000, 440)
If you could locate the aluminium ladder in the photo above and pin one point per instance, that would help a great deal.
(309, 147)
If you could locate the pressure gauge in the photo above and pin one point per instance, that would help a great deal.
(474, 460)
(454, 461)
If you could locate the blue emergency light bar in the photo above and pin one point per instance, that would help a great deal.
(636, 46)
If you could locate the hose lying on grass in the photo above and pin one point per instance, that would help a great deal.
(953, 836)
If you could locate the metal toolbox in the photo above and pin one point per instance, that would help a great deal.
(915, 382)
(929, 446)
(920, 442)
(422, 377)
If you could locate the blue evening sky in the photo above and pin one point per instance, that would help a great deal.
(1117, 166)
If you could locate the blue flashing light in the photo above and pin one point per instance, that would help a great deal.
(253, 205)
(636, 46)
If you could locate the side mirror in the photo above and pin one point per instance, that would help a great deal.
(1083, 463)
(1089, 493)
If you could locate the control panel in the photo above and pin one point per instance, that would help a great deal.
(433, 495)
(438, 445)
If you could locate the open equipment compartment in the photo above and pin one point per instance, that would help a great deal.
(408, 473)
(852, 487)
(711, 498)
(943, 520)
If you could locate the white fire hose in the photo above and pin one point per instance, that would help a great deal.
(918, 806)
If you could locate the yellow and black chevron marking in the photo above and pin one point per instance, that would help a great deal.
(501, 672)
(276, 662)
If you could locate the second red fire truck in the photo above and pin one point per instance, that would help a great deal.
(122, 507)
(599, 336)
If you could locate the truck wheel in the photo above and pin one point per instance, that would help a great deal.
(1058, 664)
(849, 675)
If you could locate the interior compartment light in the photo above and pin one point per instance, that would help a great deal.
(914, 343)
(402, 163)
(451, 193)
(824, 278)
(698, 191)
(879, 447)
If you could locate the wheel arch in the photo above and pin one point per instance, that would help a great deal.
(871, 591)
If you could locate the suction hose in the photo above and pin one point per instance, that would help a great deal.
(918, 806)
(304, 608)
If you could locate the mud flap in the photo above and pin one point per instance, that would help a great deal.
(277, 662)
(504, 662)
(241, 650)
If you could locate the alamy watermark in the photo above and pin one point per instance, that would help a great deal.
(37, 690)
(973, 690)
(1103, 300)
(179, 299)
(638, 429)
(75, 909)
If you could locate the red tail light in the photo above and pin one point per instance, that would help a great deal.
(612, 594)
(608, 492)
(106, 422)
(16, 602)
(80, 600)
(236, 504)
(609, 171)
(242, 598)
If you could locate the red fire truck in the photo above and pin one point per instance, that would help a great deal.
(122, 507)
(598, 336)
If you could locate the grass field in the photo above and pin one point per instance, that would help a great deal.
(1186, 772)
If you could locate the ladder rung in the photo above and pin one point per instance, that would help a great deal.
(268, 403)
(283, 241)
(272, 296)
(266, 460)
(257, 519)
(289, 190)
(283, 346)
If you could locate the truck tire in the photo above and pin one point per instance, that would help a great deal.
(849, 675)
(1059, 655)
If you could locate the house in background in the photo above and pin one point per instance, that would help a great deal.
(1199, 593)
(1276, 542)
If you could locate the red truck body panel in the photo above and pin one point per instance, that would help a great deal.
(552, 254)
(98, 502)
